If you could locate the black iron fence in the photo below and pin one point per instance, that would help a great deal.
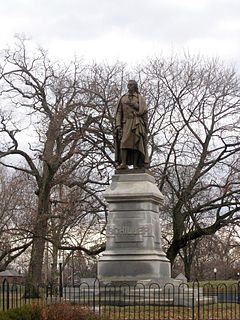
(140, 301)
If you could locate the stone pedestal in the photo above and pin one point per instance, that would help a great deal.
(133, 249)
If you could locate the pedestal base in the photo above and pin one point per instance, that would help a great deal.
(133, 249)
(142, 268)
(132, 293)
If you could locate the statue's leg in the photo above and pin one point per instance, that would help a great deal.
(123, 165)
(135, 159)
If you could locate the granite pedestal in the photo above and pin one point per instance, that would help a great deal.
(133, 249)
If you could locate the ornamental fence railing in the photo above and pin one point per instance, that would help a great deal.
(140, 301)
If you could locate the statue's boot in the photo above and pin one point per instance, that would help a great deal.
(122, 166)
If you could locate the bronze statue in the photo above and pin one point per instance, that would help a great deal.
(131, 127)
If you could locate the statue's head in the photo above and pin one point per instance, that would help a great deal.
(132, 86)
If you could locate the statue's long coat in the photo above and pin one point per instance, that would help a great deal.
(133, 120)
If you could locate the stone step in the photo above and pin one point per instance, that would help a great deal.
(147, 297)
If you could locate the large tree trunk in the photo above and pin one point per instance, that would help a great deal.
(34, 278)
(187, 270)
(54, 273)
(178, 227)
(172, 252)
(188, 256)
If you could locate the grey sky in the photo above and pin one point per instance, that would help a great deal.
(125, 29)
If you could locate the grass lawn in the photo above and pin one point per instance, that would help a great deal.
(216, 311)
(217, 286)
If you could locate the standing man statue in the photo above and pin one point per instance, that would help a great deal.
(131, 127)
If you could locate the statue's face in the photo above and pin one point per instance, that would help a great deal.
(131, 86)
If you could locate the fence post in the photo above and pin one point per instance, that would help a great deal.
(193, 302)
(5, 284)
(238, 294)
(60, 281)
(198, 304)
(3, 294)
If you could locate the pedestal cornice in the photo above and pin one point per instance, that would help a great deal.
(133, 187)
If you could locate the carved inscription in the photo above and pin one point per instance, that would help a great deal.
(127, 233)
(127, 230)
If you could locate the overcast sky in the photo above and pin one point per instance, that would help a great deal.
(127, 30)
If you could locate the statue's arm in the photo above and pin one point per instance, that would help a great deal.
(118, 117)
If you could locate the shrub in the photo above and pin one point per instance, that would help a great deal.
(65, 311)
(53, 311)
(27, 312)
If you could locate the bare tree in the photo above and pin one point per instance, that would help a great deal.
(68, 112)
(51, 97)
(196, 144)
